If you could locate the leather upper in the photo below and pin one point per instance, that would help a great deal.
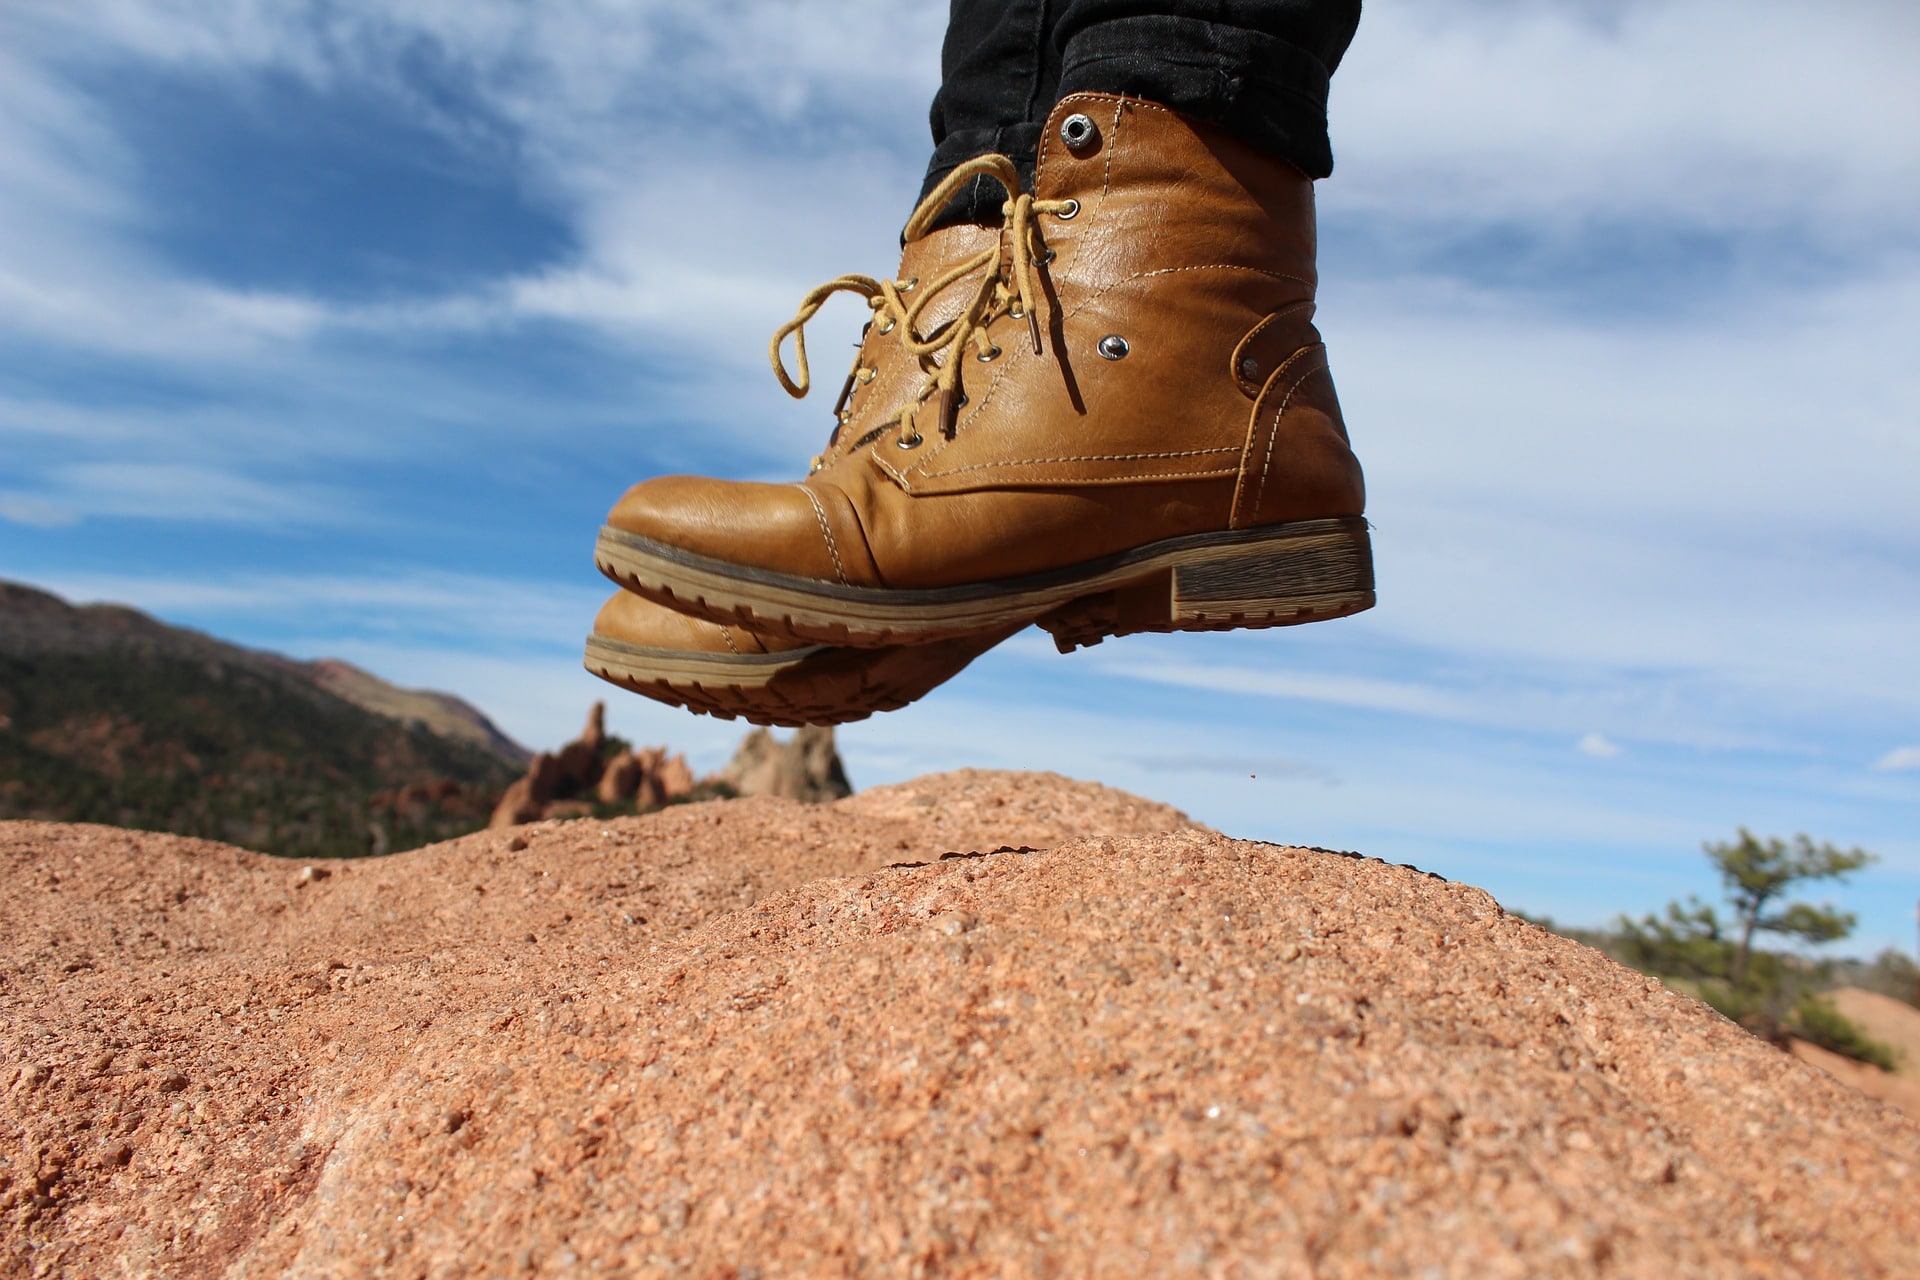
(1191, 250)
(634, 620)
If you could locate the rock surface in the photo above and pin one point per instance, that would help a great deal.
(735, 1037)
(1892, 1023)
(806, 766)
(568, 782)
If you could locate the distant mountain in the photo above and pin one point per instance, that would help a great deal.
(107, 715)
(440, 713)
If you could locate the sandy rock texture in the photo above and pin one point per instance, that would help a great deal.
(1889, 1021)
(764, 1038)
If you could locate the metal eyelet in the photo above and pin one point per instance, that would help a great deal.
(1112, 347)
(845, 417)
(988, 355)
(868, 375)
(908, 286)
(888, 327)
(1017, 311)
(913, 441)
(1079, 132)
(1046, 259)
(1073, 207)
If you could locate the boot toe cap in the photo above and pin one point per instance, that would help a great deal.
(783, 528)
(635, 620)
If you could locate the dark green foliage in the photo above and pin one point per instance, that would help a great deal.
(232, 750)
(1757, 872)
(1770, 993)
(1815, 1020)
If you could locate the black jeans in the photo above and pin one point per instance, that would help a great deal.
(1257, 68)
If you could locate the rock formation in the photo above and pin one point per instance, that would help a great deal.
(567, 783)
(804, 767)
(869, 1037)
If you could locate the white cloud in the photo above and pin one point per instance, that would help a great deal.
(1599, 746)
(484, 614)
(37, 513)
(1899, 759)
(1727, 113)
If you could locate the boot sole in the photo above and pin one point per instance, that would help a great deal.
(816, 685)
(1273, 576)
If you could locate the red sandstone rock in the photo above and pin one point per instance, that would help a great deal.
(732, 1037)
(674, 778)
(527, 797)
(622, 779)
(580, 760)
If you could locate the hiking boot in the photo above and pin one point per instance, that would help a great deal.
(1128, 425)
(730, 671)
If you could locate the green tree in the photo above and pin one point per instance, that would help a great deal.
(1757, 873)
(1716, 958)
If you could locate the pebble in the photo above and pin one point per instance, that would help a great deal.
(309, 875)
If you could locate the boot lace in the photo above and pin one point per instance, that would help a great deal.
(1009, 285)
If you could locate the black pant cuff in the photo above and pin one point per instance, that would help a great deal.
(1264, 91)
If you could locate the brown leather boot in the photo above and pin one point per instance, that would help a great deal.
(730, 671)
(1129, 426)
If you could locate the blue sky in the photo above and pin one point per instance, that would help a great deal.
(334, 328)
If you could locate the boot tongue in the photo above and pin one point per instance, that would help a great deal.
(928, 257)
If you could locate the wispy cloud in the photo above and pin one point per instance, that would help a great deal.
(1898, 760)
(1599, 746)
(1717, 113)
(482, 614)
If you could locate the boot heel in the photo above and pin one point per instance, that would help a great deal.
(1302, 579)
(1303, 573)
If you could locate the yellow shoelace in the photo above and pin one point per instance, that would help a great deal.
(1014, 290)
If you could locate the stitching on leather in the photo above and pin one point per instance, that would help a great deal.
(727, 635)
(1200, 474)
(1255, 332)
(820, 514)
(1106, 174)
(1253, 429)
(1080, 457)
(1273, 435)
(979, 407)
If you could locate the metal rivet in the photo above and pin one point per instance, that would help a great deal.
(1073, 207)
(1113, 346)
(1249, 368)
(910, 442)
(1079, 132)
